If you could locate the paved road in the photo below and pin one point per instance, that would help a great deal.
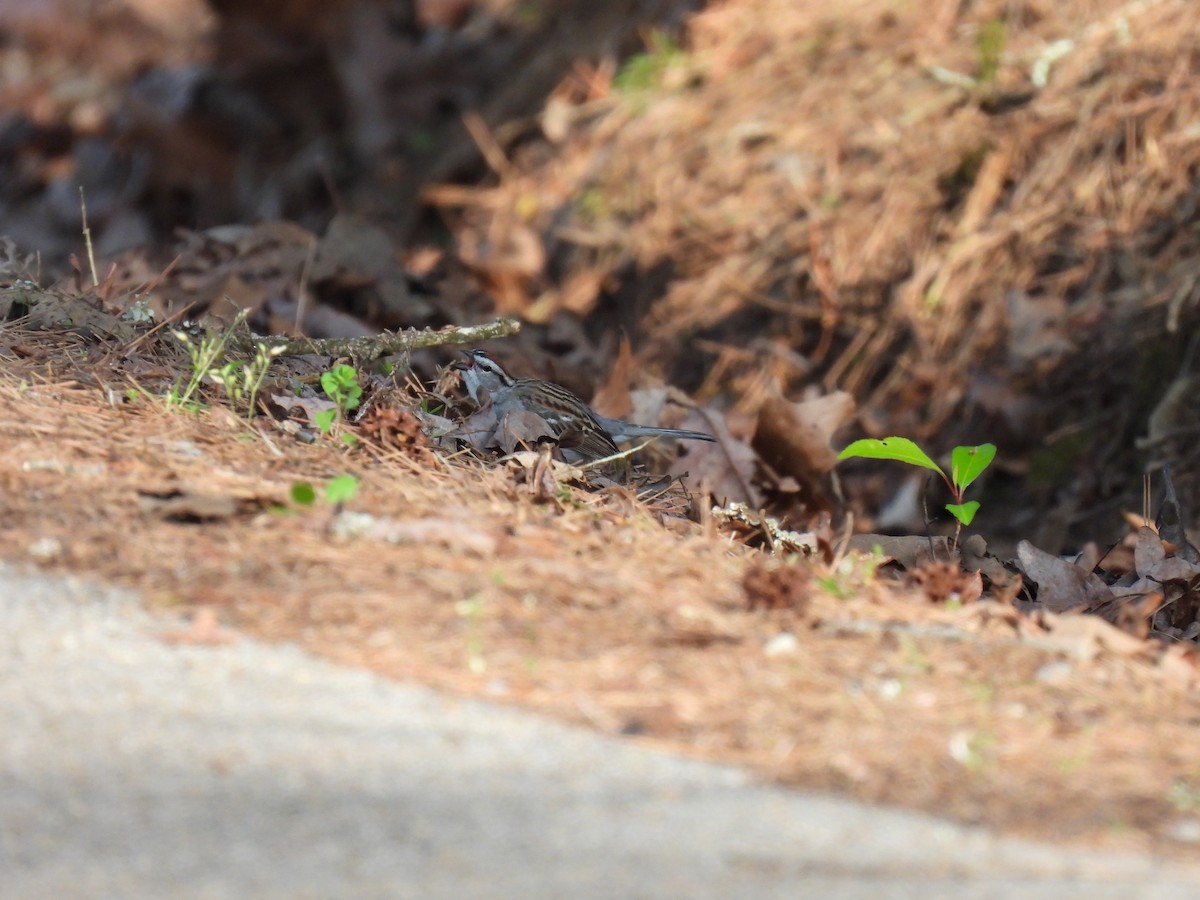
(132, 768)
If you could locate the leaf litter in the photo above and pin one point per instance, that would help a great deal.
(1042, 694)
(810, 664)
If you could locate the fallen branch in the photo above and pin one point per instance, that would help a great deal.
(374, 346)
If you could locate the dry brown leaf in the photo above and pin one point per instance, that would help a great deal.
(613, 399)
(1061, 585)
(522, 428)
(1172, 569)
(478, 430)
(796, 440)
(724, 469)
(310, 406)
(1148, 551)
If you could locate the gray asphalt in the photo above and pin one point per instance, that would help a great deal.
(133, 768)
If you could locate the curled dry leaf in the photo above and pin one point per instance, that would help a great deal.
(519, 429)
(796, 440)
(310, 406)
(1164, 593)
(477, 430)
(1062, 586)
(522, 428)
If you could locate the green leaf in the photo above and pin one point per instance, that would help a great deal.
(324, 419)
(897, 448)
(330, 384)
(341, 489)
(349, 439)
(968, 463)
(964, 512)
(303, 493)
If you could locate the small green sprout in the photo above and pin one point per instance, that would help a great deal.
(303, 493)
(206, 355)
(341, 386)
(339, 489)
(966, 464)
(243, 380)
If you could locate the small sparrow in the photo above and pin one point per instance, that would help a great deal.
(577, 427)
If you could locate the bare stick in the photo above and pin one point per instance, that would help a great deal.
(302, 289)
(372, 347)
(87, 238)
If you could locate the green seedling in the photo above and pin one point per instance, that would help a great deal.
(227, 377)
(341, 386)
(243, 380)
(206, 355)
(966, 464)
(339, 489)
(303, 493)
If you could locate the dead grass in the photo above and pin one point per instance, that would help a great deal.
(805, 193)
(593, 612)
(840, 194)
